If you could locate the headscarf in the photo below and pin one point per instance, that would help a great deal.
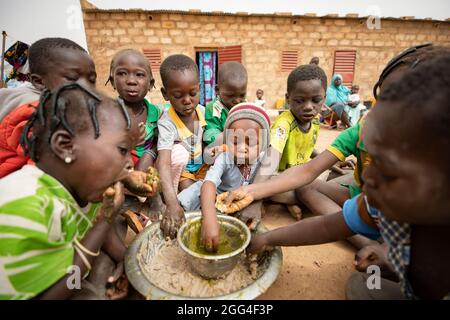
(337, 94)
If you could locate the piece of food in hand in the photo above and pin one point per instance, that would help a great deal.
(239, 201)
(220, 205)
(113, 199)
(153, 179)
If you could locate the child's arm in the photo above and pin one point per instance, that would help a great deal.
(356, 217)
(114, 246)
(344, 145)
(315, 153)
(210, 226)
(294, 177)
(269, 165)
(290, 179)
(315, 230)
(174, 215)
(93, 240)
(145, 162)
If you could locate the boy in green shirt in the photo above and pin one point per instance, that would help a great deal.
(231, 89)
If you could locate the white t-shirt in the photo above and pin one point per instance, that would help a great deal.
(260, 103)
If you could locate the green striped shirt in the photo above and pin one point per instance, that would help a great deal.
(39, 219)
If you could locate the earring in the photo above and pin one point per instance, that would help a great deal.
(68, 160)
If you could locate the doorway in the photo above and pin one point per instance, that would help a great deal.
(208, 67)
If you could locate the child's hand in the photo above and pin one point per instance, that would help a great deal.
(142, 134)
(172, 220)
(210, 233)
(143, 184)
(233, 201)
(259, 244)
(375, 255)
(214, 152)
(113, 199)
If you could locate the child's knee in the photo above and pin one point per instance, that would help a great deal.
(189, 198)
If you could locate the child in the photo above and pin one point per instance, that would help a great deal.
(294, 132)
(349, 142)
(260, 99)
(49, 220)
(354, 107)
(231, 89)
(180, 136)
(247, 137)
(131, 76)
(53, 62)
(11, 98)
(415, 228)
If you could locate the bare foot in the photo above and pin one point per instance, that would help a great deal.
(295, 211)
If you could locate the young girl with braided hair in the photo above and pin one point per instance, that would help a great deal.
(57, 215)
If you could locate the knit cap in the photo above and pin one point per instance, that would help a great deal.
(253, 112)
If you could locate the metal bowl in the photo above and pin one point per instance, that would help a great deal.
(213, 266)
(270, 269)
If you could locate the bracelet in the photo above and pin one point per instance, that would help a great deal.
(83, 258)
(84, 249)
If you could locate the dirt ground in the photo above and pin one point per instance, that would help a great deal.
(310, 272)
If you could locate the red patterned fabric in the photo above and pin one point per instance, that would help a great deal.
(12, 156)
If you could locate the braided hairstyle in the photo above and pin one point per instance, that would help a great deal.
(65, 108)
(409, 58)
(427, 107)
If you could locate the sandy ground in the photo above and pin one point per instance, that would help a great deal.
(310, 272)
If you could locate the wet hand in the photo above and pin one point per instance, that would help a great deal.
(210, 234)
(172, 220)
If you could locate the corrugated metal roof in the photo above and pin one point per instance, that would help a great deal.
(246, 14)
